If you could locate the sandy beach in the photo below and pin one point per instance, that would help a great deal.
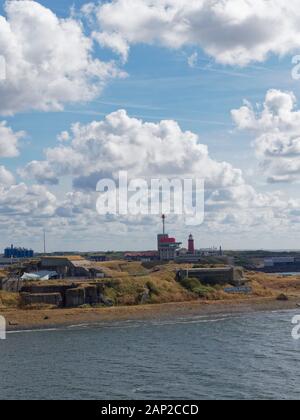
(48, 318)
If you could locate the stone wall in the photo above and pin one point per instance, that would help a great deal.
(68, 296)
(214, 276)
(75, 297)
(40, 288)
(91, 295)
(53, 299)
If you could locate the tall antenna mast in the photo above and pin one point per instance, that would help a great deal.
(44, 241)
(164, 223)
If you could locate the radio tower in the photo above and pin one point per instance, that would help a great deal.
(44, 241)
(164, 223)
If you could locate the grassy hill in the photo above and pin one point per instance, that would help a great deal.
(134, 284)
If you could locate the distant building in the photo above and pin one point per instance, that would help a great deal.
(193, 255)
(211, 252)
(13, 252)
(98, 258)
(68, 267)
(271, 262)
(167, 247)
(281, 265)
(213, 276)
(147, 256)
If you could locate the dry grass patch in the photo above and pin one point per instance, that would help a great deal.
(270, 285)
(9, 300)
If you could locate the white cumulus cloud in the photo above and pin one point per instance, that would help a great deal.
(119, 142)
(276, 129)
(9, 141)
(6, 177)
(234, 32)
(101, 149)
(21, 200)
(41, 171)
(49, 60)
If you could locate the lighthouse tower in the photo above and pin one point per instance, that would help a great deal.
(191, 246)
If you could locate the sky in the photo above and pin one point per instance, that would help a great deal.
(178, 88)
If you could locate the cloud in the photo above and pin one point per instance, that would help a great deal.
(234, 32)
(9, 141)
(49, 61)
(40, 171)
(119, 142)
(64, 136)
(21, 200)
(193, 60)
(101, 149)
(113, 41)
(276, 129)
(6, 177)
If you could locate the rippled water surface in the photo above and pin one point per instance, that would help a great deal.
(225, 357)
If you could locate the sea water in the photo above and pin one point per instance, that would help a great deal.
(247, 356)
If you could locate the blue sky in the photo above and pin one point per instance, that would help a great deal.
(161, 85)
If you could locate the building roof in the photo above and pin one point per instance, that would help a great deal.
(142, 254)
(40, 275)
(210, 269)
(82, 263)
(167, 240)
(64, 257)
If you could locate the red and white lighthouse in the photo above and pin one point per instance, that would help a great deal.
(191, 246)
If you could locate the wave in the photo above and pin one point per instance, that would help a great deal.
(32, 331)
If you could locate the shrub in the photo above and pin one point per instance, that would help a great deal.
(153, 289)
(195, 286)
(190, 284)
(204, 291)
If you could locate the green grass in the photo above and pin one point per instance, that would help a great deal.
(195, 286)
